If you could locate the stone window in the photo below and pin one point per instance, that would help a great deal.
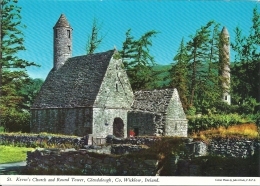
(225, 97)
(175, 127)
(69, 47)
(56, 33)
(68, 33)
(116, 87)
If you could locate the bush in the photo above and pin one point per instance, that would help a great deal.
(15, 121)
(191, 111)
(205, 122)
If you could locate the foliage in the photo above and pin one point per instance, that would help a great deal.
(15, 121)
(29, 91)
(205, 122)
(138, 61)
(179, 74)
(191, 111)
(243, 130)
(201, 55)
(195, 72)
(94, 39)
(12, 73)
(13, 154)
(12, 37)
(245, 71)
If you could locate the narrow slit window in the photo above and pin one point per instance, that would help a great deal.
(69, 48)
(68, 33)
(116, 87)
(56, 33)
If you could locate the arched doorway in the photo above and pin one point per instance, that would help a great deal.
(118, 128)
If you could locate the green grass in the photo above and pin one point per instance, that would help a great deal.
(9, 154)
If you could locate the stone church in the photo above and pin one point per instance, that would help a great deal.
(91, 94)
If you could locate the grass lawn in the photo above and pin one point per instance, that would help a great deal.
(9, 154)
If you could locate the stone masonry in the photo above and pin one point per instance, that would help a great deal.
(91, 94)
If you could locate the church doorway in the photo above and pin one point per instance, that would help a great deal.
(118, 128)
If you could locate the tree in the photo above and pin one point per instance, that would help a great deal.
(12, 73)
(198, 47)
(29, 91)
(179, 74)
(138, 60)
(246, 69)
(94, 39)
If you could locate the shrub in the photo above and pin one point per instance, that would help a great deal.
(205, 122)
(242, 130)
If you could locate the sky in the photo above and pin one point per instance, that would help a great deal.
(173, 19)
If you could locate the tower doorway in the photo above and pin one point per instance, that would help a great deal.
(118, 128)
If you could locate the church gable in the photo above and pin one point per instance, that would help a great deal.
(175, 109)
(115, 90)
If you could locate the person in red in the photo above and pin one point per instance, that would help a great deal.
(132, 133)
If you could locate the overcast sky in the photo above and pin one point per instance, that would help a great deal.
(173, 19)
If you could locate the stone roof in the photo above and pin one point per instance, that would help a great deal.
(76, 83)
(153, 100)
(224, 31)
(62, 22)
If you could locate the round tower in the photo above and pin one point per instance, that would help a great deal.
(224, 56)
(62, 39)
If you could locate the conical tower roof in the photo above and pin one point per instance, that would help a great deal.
(62, 22)
(224, 31)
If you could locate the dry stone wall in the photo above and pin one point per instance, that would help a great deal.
(146, 123)
(233, 147)
(69, 161)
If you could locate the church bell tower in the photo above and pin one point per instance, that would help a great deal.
(62, 39)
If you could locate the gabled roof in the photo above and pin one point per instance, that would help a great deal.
(152, 100)
(76, 83)
(62, 22)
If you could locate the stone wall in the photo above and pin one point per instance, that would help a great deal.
(39, 140)
(70, 121)
(145, 123)
(104, 120)
(114, 99)
(233, 147)
(53, 161)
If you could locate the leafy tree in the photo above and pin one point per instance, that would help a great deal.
(12, 73)
(198, 47)
(179, 74)
(94, 39)
(29, 92)
(245, 71)
(210, 92)
(138, 60)
(128, 49)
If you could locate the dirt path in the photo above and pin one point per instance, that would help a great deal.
(12, 168)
